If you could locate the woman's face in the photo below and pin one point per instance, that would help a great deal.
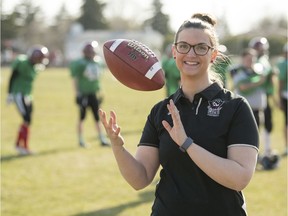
(191, 64)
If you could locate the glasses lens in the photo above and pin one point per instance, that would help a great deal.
(183, 47)
(201, 49)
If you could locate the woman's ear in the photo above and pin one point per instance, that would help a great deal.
(214, 56)
(174, 51)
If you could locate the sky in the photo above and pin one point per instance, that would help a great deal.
(240, 15)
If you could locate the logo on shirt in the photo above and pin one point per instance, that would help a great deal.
(214, 107)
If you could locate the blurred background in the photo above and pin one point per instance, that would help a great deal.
(63, 26)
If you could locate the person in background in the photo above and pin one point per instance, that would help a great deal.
(172, 74)
(204, 136)
(261, 45)
(283, 91)
(249, 80)
(25, 68)
(86, 72)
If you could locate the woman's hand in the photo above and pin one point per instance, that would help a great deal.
(176, 131)
(111, 127)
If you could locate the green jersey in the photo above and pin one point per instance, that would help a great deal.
(268, 85)
(87, 73)
(172, 75)
(282, 66)
(23, 75)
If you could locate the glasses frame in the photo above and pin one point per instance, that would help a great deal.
(193, 47)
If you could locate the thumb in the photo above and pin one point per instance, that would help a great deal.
(166, 125)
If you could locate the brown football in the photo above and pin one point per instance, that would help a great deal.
(134, 64)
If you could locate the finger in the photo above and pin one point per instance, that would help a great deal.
(113, 115)
(102, 115)
(113, 123)
(166, 125)
(111, 120)
(174, 112)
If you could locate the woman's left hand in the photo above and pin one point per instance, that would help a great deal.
(176, 131)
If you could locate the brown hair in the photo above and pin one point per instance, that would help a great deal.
(201, 21)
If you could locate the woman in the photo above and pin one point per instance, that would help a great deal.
(204, 137)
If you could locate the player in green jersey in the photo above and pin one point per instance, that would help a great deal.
(261, 45)
(172, 74)
(86, 73)
(283, 90)
(24, 71)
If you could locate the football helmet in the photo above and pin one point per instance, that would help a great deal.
(38, 54)
(89, 49)
(257, 42)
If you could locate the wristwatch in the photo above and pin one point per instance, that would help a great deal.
(186, 144)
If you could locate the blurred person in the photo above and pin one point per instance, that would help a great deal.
(261, 45)
(172, 74)
(249, 81)
(196, 135)
(86, 72)
(25, 68)
(283, 91)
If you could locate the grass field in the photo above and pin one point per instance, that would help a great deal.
(62, 179)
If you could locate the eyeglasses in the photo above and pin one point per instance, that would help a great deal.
(200, 49)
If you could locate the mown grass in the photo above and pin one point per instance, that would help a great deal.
(62, 179)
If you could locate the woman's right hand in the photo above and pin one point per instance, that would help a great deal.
(111, 127)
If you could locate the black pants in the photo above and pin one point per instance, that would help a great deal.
(267, 118)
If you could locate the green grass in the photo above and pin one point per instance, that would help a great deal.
(62, 179)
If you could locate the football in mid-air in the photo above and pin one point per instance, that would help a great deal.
(134, 64)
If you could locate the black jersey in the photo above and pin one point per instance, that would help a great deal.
(216, 120)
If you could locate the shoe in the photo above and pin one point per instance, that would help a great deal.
(20, 150)
(23, 151)
(105, 143)
(270, 162)
(82, 145)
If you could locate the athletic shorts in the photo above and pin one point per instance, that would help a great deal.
(85, 101)
(24, 105)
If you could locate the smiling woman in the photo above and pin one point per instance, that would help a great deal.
(201, 173)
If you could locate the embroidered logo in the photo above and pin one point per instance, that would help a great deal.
(214, 107)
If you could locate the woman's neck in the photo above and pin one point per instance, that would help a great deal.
(191, 87)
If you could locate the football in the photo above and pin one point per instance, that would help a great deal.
(134, 64)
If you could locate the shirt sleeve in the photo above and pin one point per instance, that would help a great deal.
(243, 128)
(150, 133)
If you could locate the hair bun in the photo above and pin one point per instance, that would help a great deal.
(205, 17)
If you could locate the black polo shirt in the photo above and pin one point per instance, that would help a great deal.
(216, 120)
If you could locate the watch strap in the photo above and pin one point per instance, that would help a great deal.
(186, 144)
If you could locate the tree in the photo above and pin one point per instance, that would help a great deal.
(58, 31)
(159, 21)
(92, 15)
(9, 28)
(24, 24)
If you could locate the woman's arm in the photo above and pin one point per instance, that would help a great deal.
(138, 171)
(233, 172)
